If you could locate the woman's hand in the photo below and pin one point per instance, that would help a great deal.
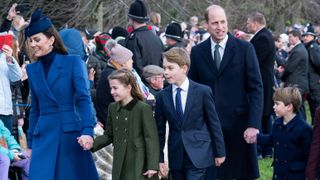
(150, 173)
(85, 141)
(8, 52)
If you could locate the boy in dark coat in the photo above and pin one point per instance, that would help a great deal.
(290, 137)
(195, 135)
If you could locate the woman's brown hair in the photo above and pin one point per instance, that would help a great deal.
(126, 77)
(58, 45)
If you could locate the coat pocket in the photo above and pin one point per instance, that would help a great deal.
(71, 127)
(202, 137)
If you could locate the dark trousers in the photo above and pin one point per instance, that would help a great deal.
(265, 128)
(211, 173)
(188, 171)
(7, 121)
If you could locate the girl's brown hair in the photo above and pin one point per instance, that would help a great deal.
(288, 95)
(126, 77)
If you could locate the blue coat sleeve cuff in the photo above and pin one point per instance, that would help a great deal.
(87, 131)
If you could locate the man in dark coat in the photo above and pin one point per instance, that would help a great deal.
(314, 69)
(230, 67)
(145, 45)
(295, 71)
(264, 45)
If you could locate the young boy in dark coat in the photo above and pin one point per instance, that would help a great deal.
(195, 135)
(290, 137)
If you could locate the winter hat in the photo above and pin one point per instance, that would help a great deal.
(152, 70)
(174, 31)
(72, 40)
(39, 23)
(118, 53)
(119, 31)
(138, 11)
(100, 45)
(309, 30)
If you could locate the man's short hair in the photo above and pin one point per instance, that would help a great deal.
(257, 17)
(295, 33)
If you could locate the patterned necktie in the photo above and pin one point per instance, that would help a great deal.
(217, 57)
(179, 104)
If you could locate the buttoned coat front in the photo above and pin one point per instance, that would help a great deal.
(291, 144)
(238, 94)
(54, 125)
(132, 131)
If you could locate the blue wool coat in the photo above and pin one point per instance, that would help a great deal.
(54, 126)
(291, 144)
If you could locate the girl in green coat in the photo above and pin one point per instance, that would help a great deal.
(131, 129)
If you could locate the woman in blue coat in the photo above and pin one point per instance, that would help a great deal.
(58, 139)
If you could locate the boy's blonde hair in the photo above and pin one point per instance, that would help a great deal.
(288, 95)
(177, 55)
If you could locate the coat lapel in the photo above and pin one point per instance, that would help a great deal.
(189, 102)
(169, 102)
(55, 70)
(206, 48)
(228, 54)
(41, 81)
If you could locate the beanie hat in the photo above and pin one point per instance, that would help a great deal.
(152, 70)
(100, 45)
(309, 30)
(119, 31)
(39, 23)
(118, 53)
(174, 31)
(138, 11)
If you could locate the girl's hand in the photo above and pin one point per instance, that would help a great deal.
(150, 173)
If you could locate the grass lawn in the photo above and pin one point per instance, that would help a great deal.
(265, 164)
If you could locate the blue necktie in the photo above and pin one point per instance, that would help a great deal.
(179, 104)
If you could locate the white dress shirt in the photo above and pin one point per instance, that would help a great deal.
(222, 47)
(184, 92)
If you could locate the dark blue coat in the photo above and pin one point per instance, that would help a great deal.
(199, 133)
(238, 95)
(54, 125)
(291, 144)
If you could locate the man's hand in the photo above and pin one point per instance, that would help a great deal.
(163, 170)
(219, 160)
(250, 135)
